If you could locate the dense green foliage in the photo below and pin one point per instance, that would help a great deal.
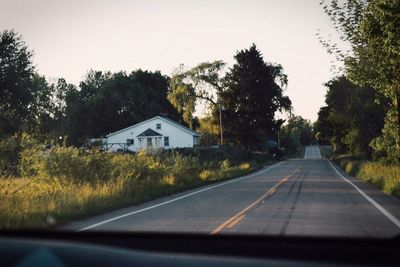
(17, 90)
(202, 84)
(296, 133)
(371, 28)
(352, 118)
(209, 131)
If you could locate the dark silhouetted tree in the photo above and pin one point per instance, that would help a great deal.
(253, 95)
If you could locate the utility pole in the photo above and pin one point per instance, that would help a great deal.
(220, 123)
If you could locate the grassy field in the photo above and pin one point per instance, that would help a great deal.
(66, 184)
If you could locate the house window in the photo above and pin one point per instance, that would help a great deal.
(166, 141)
(158, 126)
(130, 142)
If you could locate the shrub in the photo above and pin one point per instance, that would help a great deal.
(11, 148)
(244, 166)
(9, 154)
(352, 167)
(233, 153)
(205, 174)
(225, 164)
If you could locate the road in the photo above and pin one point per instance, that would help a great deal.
(302, 197)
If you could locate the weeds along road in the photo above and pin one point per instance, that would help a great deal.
(309, 196)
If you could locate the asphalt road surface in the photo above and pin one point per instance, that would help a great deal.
(302, 197)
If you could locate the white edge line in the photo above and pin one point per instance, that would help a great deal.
(178, 198)
(373, 202)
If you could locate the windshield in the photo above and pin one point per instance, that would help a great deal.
(212, 117)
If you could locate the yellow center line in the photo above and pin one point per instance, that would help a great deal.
(235, 219)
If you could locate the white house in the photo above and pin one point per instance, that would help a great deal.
(154, 133)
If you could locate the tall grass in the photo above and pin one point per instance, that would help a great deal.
(385, 177)
(380, 174)
(65, 183)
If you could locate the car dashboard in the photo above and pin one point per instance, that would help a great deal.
(55, 248)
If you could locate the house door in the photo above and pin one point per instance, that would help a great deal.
(157, 141)
(149, 143)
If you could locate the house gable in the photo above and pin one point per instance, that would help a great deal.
(167, 120)
(149, 132)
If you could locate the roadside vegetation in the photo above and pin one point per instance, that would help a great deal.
(48, 175)
(50, 187)
(326, 151)
(361, 118)
(295, 135)
(383, 175)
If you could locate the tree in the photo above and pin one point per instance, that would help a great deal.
(41, 107)
(253, 94)
(16, 71)
(352, 118)
(372, 29)
(201, 84)
(368, 109)
(337, 98)
(108, 102)
(297, 132)
(322, 127)
(208, 131)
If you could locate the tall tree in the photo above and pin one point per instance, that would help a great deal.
(322, 127)
(372, 29)
(352, 118)
(295, 133)
(201, 84)
(16, 71)
(253, 95)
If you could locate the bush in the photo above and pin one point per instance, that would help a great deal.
(11, 148)
(352, 167)
(232, 153)
(226, 164)
(9, 154)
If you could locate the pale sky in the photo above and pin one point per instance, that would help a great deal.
(71, 37)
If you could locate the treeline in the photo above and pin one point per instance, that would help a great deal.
(362, 112)
(61, 112)
(352, 118)
(248, 95)
(245, 98)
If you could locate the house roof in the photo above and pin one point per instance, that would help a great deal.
(168, 120)
(178, 124)
(149, 132)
